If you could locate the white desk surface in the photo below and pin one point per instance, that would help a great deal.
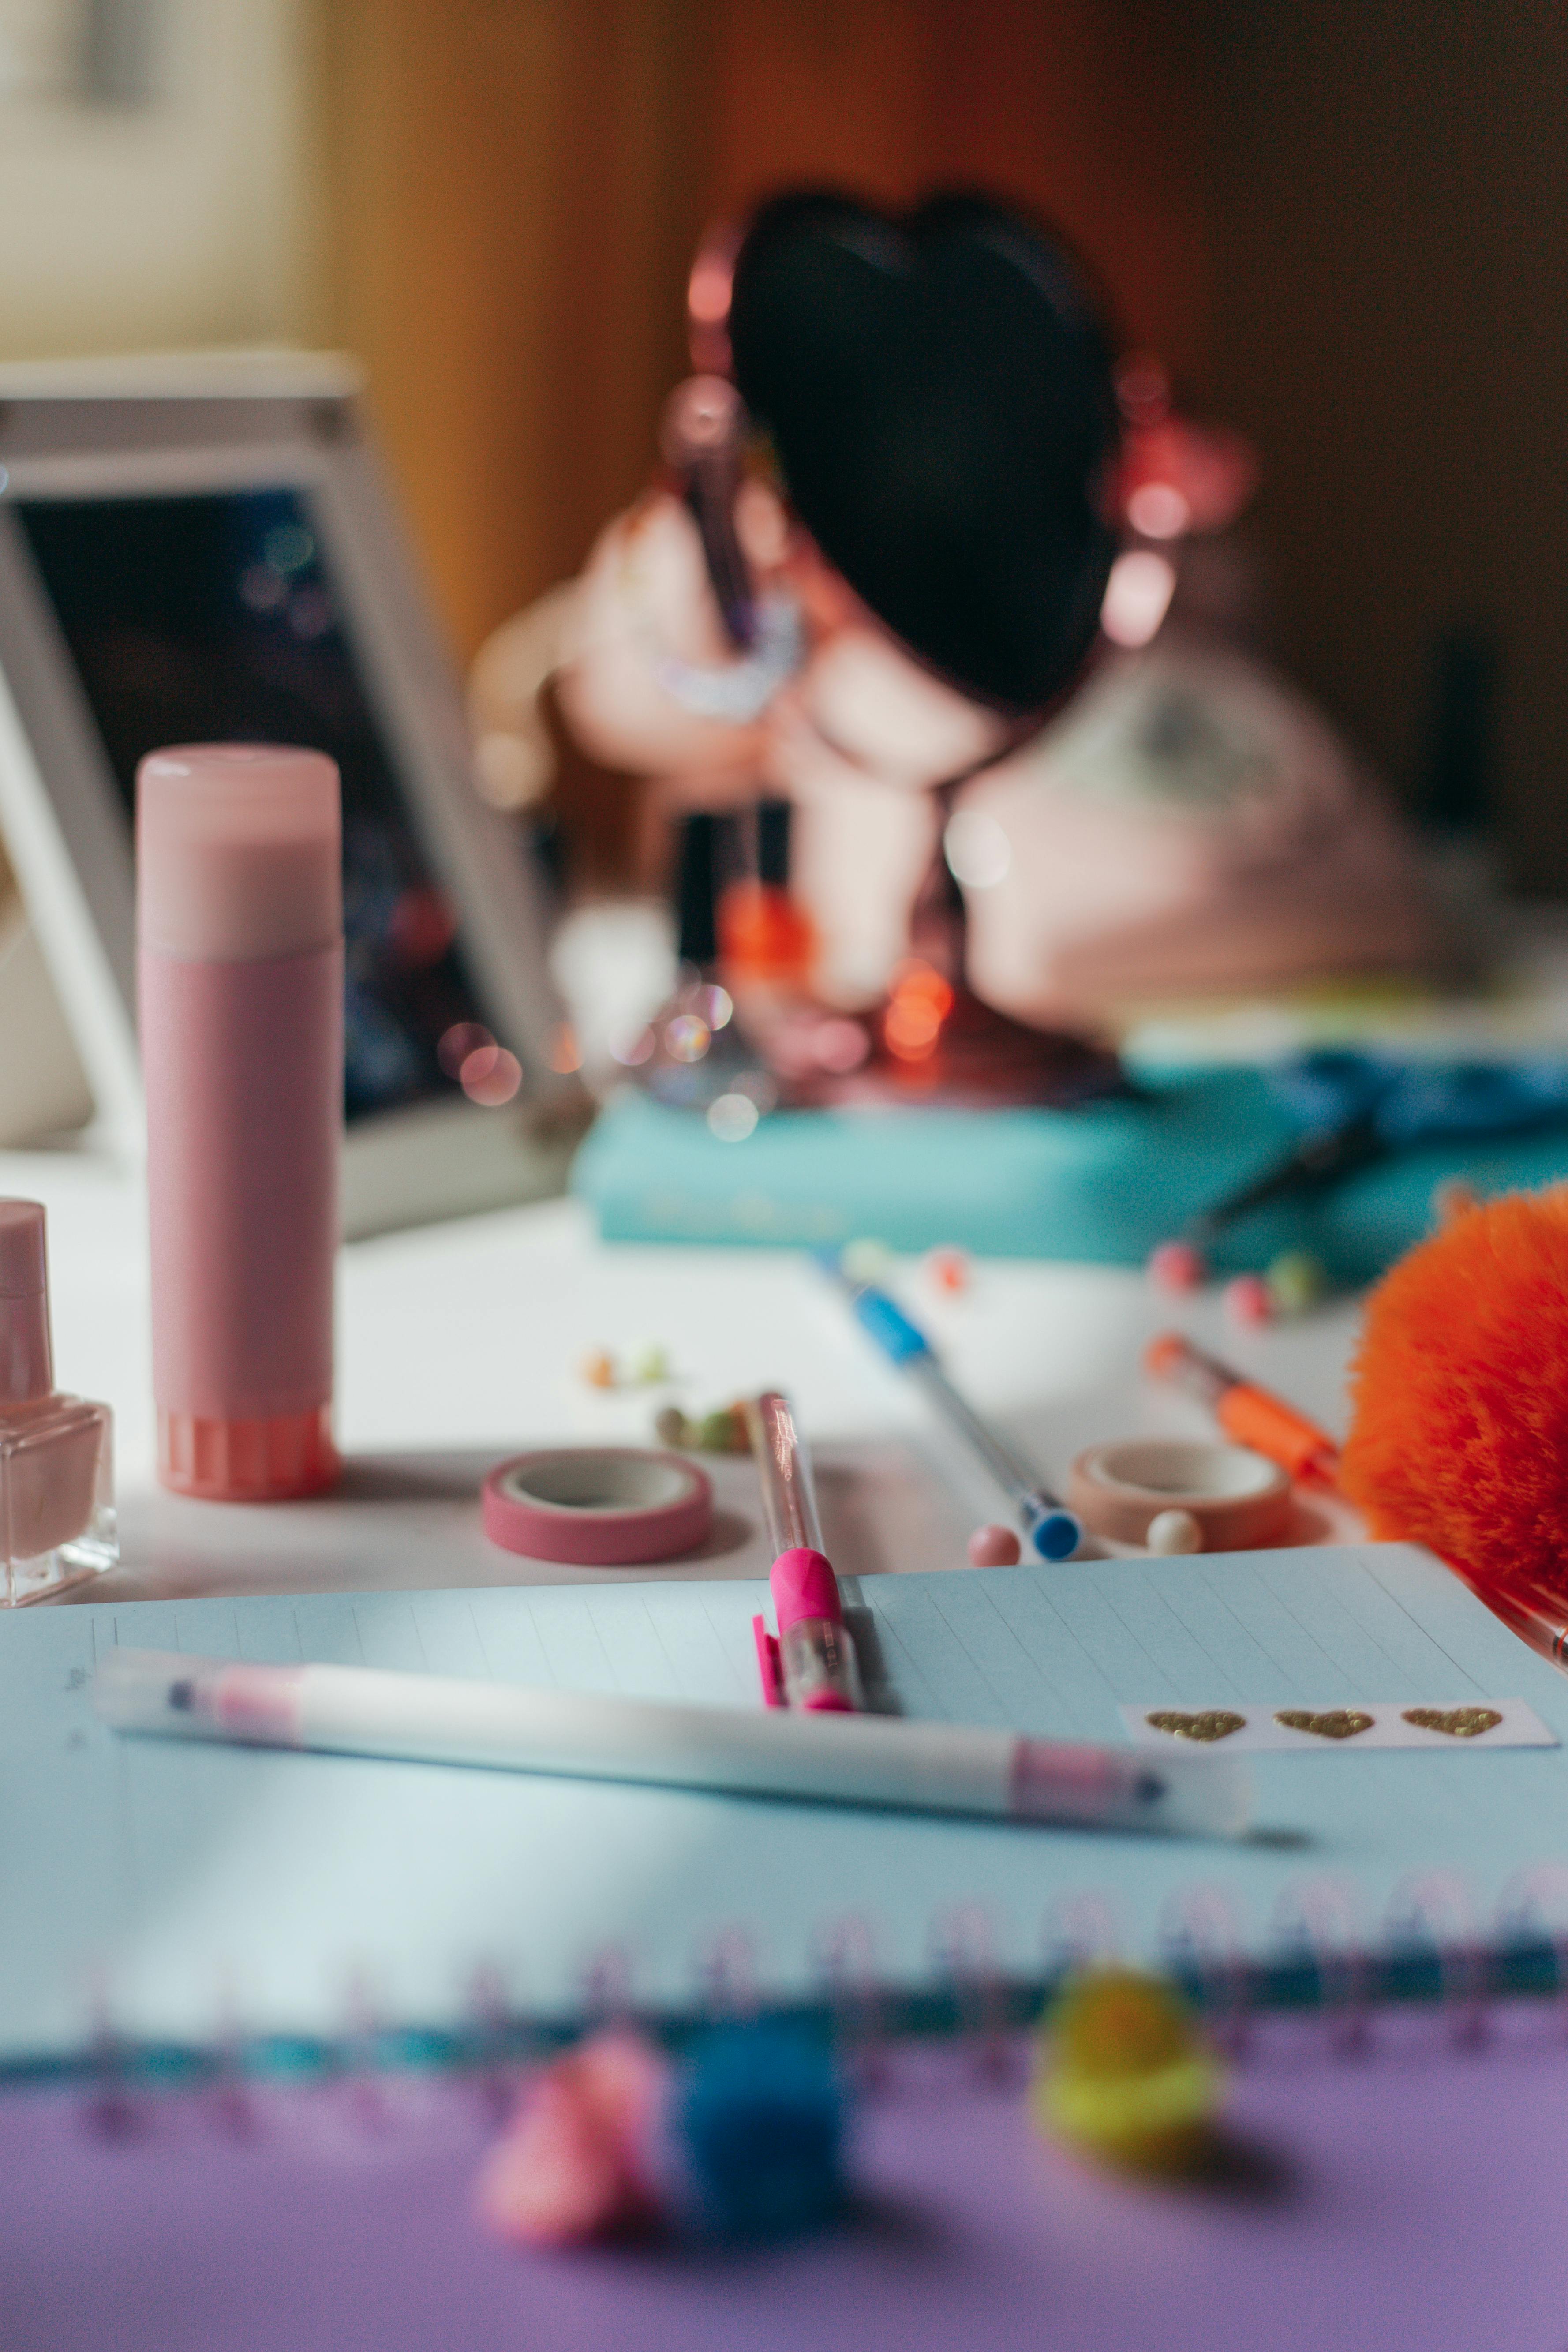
(460, 1343)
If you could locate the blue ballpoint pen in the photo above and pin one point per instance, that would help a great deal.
(1049, 1524)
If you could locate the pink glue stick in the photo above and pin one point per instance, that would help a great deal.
(240, 924)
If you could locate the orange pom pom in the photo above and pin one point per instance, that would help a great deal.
(1459, 1438)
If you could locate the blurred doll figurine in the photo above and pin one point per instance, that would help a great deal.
(1191, 825)
(882, 557)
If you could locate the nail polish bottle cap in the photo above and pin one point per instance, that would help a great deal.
(26, 1369)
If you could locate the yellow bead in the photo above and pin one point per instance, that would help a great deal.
(1124, 2076)
(1295, 1281)
(865, 1260)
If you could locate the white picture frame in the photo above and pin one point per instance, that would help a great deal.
(141, 427)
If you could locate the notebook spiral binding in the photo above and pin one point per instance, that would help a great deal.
(1432, 1952)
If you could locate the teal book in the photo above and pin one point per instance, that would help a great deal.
(1101, 1184)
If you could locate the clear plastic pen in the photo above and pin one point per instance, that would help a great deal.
(784, 1471)
(816, 1662)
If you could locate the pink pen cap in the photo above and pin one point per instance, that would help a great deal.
(817, 1656)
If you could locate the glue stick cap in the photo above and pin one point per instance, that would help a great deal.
(238, 852)
(25, 1368)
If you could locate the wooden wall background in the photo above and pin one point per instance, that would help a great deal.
(1343, 225)
(1389, 223)
(512, 198)
(517, 186)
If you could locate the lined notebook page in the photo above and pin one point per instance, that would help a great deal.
(193, 1888)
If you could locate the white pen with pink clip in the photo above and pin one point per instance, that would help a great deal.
(829, 1758)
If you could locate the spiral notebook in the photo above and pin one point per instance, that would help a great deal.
(179, 1895)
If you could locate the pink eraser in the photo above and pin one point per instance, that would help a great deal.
(804, 1585)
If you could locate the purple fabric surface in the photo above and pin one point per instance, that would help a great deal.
(1414, 2197)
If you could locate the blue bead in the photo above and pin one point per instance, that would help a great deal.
(760, 2114)
(1056, 1536)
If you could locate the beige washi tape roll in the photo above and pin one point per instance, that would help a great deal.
(1236, 1497)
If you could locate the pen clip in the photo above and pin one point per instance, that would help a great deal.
(769, 1670)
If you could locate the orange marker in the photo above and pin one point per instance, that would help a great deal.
(1250, 1415)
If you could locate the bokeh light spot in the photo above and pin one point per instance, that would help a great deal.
(1137, 597)
(733, 1117)
(491, 1076)
(455, 1044)
(288, 547)
(688, 1037)
(1158, 510)
(421, 928)
(978, 852)
(632, 1047)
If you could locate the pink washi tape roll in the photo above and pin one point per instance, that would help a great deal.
(1238, 1498)
(597, 1506)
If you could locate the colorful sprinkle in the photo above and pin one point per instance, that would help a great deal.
(1176, 1266)
(1248, 1301)
(867, 1260)
(1295, 1281)
(1174, 1532)
(994, 1547)
(950, 1270)
(723, 1431)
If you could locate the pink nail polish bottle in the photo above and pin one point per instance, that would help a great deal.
(239, 923)
(56, 1456)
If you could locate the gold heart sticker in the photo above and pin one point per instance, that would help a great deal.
(1459, 1722)
(1336, 1723)
(1216, 1722)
